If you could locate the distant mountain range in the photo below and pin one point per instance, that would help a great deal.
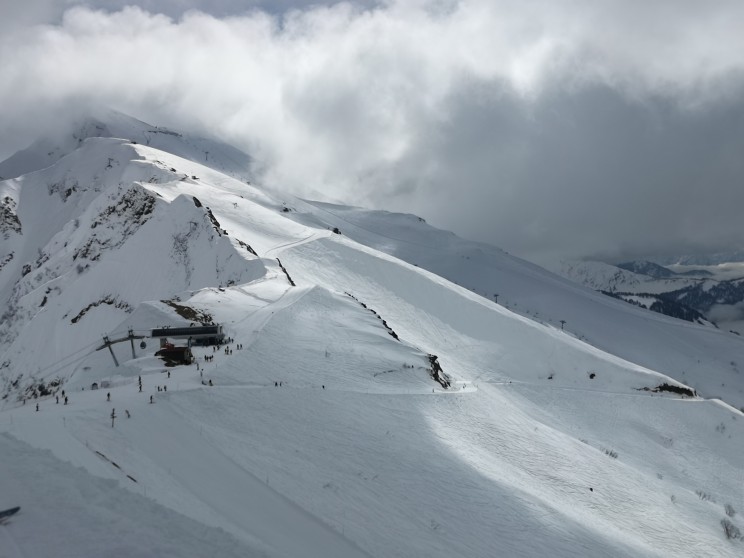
(657, 271)
(696, 292)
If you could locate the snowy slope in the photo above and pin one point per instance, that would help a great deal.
(709, 360)
(531, 442)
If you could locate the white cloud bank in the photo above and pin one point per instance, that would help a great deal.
(565, 126)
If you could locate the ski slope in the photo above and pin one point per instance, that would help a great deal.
(325, 434)
(709, 360)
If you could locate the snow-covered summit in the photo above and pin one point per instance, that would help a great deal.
(373, 399)
(107, 123)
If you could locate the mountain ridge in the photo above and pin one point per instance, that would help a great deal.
(314, 429)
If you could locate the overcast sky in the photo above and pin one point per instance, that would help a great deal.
(572, 127)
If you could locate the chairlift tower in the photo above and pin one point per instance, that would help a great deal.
(108, 342)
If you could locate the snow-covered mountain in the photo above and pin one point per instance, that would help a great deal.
(107, 123)
(707, 295)
(707, 260)
(629, 277)
(375, 397)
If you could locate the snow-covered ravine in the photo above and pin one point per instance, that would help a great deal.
(324, 431)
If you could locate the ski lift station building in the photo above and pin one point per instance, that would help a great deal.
(197, 335)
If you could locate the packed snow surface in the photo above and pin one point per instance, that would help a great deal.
(323, 427)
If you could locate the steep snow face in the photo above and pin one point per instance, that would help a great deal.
(365, 406)
(96, 241)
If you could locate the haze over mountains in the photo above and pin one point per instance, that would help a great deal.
(438, 397)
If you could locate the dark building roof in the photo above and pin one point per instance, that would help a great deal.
(196, 332)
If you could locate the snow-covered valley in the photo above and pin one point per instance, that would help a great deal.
(328, 428)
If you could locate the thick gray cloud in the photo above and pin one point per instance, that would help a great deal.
(562, 127)
(586, 172)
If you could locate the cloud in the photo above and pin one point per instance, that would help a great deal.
(564, 127)
(722, 313)
(586, 173)
(28, 13)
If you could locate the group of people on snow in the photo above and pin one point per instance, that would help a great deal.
(164, 388)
